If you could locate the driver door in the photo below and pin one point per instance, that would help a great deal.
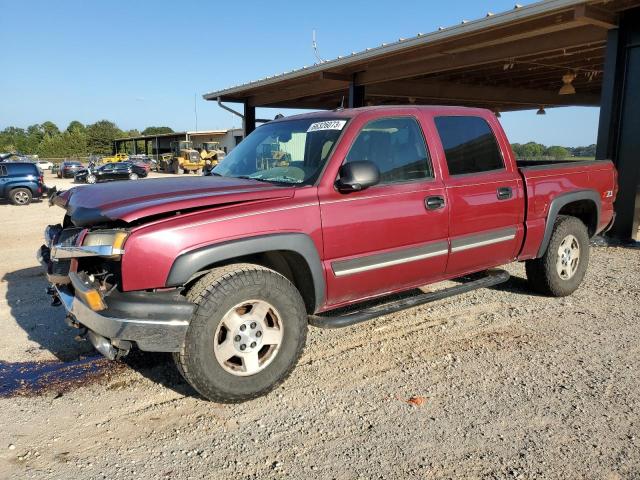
(385, 238)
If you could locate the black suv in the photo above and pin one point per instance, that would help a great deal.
(20, 182)
(111, 171)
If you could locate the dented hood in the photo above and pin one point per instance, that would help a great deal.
(128, 201)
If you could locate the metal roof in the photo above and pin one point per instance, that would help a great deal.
(586, 20)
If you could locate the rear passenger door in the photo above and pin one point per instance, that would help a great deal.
(485, 194)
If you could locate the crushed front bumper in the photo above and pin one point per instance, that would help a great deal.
(155, 321)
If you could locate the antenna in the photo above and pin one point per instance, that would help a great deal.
(195, 110)
(314, 44)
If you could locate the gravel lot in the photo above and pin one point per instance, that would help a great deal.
(505, 384)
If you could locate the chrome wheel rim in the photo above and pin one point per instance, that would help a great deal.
(21, 198)
(568, 257)
(133, 176)
(91, 179)
(248, 338)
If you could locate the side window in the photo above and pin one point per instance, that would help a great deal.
(396, 146)
(469, 145)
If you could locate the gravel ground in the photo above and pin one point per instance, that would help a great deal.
(497, 383)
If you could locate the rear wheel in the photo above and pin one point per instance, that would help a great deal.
(246, 335)
(133, 176)
(20, 196)
(560, 271)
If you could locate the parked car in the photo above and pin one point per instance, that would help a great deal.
(20, 182)
(227, 271)
(111, 171)
(44, 164)
(69, 168)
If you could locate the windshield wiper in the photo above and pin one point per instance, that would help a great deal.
(248, 177)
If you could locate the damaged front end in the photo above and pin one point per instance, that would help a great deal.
(83, 267)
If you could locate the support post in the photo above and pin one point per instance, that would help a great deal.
(356, 94)
(249, 121)
(619, 124)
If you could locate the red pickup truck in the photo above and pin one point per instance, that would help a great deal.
(309, 214)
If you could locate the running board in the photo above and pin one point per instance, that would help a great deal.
(492, 277)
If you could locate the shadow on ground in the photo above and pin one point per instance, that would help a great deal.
(77, 362)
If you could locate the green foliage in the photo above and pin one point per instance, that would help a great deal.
(156, 130)
(75, 126)
(558, 153)
(100, 136)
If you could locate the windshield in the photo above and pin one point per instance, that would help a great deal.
(291, 152)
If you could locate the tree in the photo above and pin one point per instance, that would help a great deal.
(100, 136)
(557, 153)
(156, 130)
(75, 126)
(50, 129)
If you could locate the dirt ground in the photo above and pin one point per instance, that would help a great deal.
(505, 384)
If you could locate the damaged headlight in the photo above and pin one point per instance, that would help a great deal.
(100, 243)
(107, 238)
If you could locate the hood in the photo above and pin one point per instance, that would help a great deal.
(130, 201)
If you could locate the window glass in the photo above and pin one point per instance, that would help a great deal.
(121, 166)
(469, 145)
(284, 152)
(396, 146)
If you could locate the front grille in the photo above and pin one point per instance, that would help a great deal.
(68, 237)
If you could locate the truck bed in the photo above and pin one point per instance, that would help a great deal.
(545, 181)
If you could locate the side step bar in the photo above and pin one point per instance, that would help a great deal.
(492, 277)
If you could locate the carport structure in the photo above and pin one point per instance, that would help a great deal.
(514, 60)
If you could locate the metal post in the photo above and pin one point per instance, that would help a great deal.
(618, 137)
(356, 94)
(249, 121)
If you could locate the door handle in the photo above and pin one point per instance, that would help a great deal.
(504, 193)
(434, 203)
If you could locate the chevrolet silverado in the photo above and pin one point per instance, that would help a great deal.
(228, 270)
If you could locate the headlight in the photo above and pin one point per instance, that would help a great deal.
(107, 238)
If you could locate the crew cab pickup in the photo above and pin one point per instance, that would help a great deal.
(228, 270)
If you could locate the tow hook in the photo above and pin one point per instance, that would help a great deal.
(55, 298)
(112, 350)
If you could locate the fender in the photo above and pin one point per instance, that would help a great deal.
(189, 263)
(557, 204)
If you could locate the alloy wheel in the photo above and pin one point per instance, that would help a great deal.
(248, 338)
(568, 257)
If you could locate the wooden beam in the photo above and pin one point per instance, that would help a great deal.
(539, 45)
(307, 89)
(340, 77)
(590, 15)
(478, 93)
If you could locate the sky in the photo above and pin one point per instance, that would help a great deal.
(144, 63)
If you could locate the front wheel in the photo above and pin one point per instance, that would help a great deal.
(560, 271)
(246, 335)
(91, 179)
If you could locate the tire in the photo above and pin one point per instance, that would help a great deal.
(91, 179)
(548, 274)
(223, 294)
(133, 176)
(20, 196)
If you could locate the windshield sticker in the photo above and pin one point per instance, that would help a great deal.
(327, 125)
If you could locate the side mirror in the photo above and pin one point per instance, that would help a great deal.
(356, 176)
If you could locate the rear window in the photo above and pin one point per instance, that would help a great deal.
(73, 163)
(22, 169)
(469, 145)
